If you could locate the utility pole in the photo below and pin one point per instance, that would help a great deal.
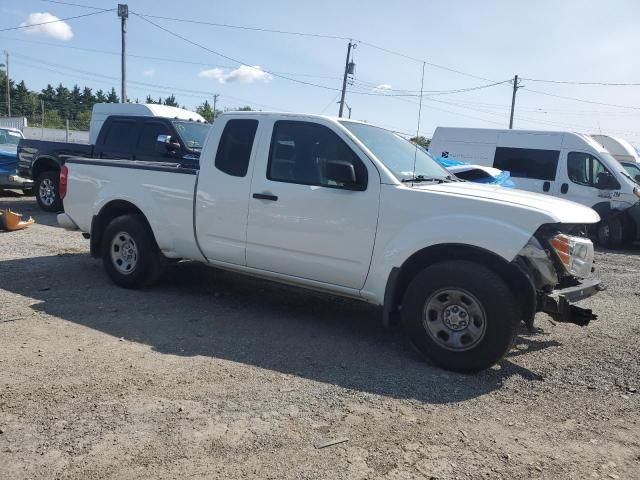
(513, 100)
(123, 13)
(215, 102)
(347, 63)
(6, 54)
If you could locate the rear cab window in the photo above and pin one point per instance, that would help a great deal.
(234, 149)
(527, 163)
(121, 135)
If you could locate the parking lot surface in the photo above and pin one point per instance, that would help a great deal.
(215, 375)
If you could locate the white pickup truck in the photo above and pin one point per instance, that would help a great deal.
(351, 209)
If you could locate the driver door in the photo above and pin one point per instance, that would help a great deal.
(582, 174)
(301, 223)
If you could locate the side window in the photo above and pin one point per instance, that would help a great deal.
(234, 149)
(311, 154)
(585, 169)
(527, 162)
(149, 136)
(121, 134)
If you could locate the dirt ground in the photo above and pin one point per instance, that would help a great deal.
(214, 375)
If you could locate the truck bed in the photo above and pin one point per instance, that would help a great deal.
(163, 192)
(30, 149)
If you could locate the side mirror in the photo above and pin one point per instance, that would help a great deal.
(166, 144)
(637, 177)
(341, 172)
(606, 181)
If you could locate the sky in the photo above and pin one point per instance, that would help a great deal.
(465, 43)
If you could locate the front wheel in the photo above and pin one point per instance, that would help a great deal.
(460, 315)
(47, 189)
(130, 254)
(610, 232)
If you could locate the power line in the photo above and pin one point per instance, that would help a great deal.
(75, 5)
(566, 82)
(22, 27)
(241, 27)
(582, 100)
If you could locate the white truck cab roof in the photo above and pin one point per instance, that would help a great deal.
(101, 111)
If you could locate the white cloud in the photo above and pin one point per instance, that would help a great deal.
(58, 30)
(383, 87)
(242, 74)
(149, 72)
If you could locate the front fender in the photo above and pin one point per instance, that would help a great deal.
(490, 234)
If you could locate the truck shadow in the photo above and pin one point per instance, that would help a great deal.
(208, 312)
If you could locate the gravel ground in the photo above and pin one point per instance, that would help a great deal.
(214, 375)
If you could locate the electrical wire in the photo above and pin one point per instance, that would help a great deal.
(22, 27)
(75, 5)
(566, 82)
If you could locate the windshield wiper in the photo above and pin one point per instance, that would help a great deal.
(422, 178)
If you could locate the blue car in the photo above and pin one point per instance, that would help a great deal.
(9, 178)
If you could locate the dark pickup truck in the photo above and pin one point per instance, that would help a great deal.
(121, 137)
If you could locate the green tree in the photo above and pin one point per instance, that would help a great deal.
(101, 97)
(206, 111)
(421, 140)
(171, 101)
(112, 97)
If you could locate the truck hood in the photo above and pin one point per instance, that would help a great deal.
(561, 211)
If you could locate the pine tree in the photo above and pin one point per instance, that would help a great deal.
(113, 96)
(206, 111)
(101, 97)
(171, 101)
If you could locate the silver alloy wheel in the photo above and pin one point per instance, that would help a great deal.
(124, 253)
(454, 319)
(47, 192)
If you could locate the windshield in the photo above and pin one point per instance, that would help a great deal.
(397, 154)
(9, 137)
(192, 134)
(632, 169)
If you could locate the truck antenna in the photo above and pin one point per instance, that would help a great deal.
(415, 154)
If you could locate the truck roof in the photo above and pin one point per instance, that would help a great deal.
(101, 111)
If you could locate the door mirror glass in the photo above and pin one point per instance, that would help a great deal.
(637, 177)
(341, 172)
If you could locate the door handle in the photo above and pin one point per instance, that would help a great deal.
(265, 196)
(564, 188)
(546, 186)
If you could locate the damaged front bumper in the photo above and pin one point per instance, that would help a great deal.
(559, 304)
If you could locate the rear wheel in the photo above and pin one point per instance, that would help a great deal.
(130, 254)
(460, 315)
(47, 189)
(610, 231)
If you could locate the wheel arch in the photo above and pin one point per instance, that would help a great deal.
(109, 211)
(43, 164)
(399, 279)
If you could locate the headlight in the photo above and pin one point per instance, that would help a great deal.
(575, 253)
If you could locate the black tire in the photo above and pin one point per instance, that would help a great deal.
(501, 315)
(149, 262)
(47, 190)
(610, 232)
(28, 192)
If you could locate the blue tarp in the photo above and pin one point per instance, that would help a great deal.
(503, 178)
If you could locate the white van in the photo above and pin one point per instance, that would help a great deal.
(619, 148)
(567, 165)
